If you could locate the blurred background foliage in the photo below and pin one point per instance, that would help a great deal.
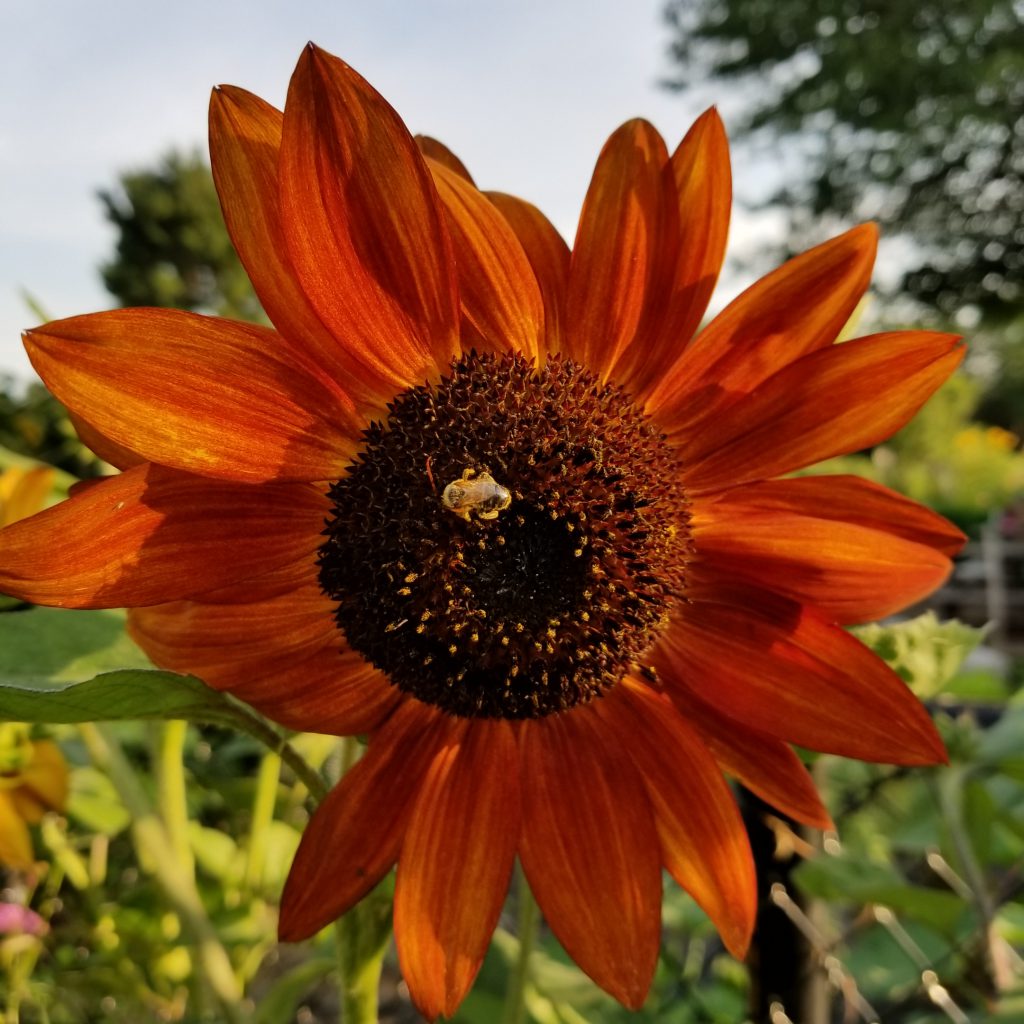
(909, 113)
(172, 244)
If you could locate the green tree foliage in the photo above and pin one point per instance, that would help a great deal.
(173, 248)
(909, 112)
(33, 424)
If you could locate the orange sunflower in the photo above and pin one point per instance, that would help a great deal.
(500, 505)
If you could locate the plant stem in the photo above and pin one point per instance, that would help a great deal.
(262, 815)
(361, 938)
(515, 994)
(171, 796)
(275, 742)
(154, 845)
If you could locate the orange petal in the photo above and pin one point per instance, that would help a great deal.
(703, 842)
(615, 256)
(498, 290)
(455, 864)
(116, 454)
(226, 642)
(846, 499)
(590, 850)
(46, 775)
(794, 310)
(441, 154)
(363, 225)
(765, 765)
(197, 393)
(831, 402)
(782, 669)
(152, 535)
(701, 182)
(548, 255)
(354, 837)
(851, 572)
(332, 691)
(245, 140)
(281, 652)
(15, 841)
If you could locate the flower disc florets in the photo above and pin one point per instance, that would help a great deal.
(537, 604)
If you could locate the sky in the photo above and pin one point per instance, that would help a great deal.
(525, 92)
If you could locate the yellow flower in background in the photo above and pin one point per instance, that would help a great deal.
(23, 491)
(33, 780)
(33, 775)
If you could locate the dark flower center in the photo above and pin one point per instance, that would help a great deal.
(510, 542)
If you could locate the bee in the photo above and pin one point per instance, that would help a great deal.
(479, 493)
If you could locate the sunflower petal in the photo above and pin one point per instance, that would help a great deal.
(831, 402)
(765, 765)
(245, 142)
(615, 256)
(227, 641)
(845, 498)
(363, 225)
(590, 850)
(849, 571)
(703, 842)
(797, 309)
(467, 815)
(353, 839)
(441, 154)
(497, 287)
(780, 668)
(151, 535)
(548, 255)
(281, 652)
(117, 455)
(701, 185)
(196, 393)
(332, 691)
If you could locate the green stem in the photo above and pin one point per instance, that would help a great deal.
(361, 938)
(262, 815)
(951, 787)
(171, 796)
(276, 743)
(154, 845)
(515, 994)
(362, 935)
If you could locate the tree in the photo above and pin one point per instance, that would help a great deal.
(909, 112)
(173, 248)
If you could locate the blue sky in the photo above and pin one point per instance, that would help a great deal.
(524, 92)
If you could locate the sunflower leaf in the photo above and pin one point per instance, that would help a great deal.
(112, 696)
(80, 666)
(67, 666)
(57, 645)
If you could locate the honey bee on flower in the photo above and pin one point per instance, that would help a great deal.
(481, 494)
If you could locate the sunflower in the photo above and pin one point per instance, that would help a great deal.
(499, 505)
(33, 780)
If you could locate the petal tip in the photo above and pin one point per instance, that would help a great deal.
(711, 120)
